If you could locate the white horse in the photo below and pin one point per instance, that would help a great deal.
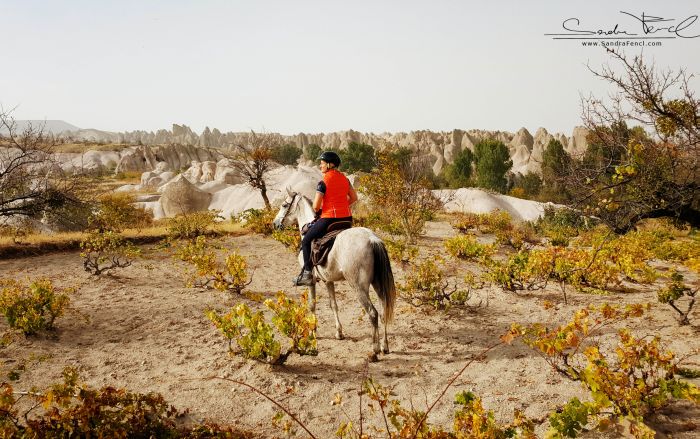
(358, 256)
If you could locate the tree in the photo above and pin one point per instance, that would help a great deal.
(555, 167)
(254, 158)
(458, 174)
(286, 154)
(357, 157)
(526, 186)
(650, 170)
(32, 182)
(312, 151)
(492, 161)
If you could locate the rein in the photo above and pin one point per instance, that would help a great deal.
(287, 206)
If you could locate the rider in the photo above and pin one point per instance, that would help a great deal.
(334, 196)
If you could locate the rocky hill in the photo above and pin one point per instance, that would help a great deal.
(525, 149)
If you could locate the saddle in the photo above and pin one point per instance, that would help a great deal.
(322, 246)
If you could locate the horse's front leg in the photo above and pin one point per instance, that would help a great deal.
(312, 298)
(330, 286)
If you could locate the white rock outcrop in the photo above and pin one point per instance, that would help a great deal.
(181, 196)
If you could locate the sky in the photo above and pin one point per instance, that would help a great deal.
(319, 66)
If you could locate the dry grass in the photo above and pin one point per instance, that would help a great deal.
(39, 243)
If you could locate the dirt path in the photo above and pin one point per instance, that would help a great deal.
(147, 332)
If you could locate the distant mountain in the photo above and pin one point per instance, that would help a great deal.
(49, 126)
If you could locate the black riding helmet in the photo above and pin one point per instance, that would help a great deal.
(330, 157)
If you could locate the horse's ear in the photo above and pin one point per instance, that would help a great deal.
(289, 191)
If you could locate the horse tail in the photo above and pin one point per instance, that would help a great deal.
(383, 280)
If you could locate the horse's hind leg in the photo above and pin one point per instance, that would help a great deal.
(330, 286)
(363, 295)
(385, 340)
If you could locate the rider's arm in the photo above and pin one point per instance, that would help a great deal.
(318, 201)
(352, 196)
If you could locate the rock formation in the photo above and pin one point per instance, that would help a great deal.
(180, 146)
(181, 196)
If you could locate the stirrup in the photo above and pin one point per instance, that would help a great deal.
(305, 279)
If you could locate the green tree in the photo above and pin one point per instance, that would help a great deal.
(492, 161)
(357, 157)
(526, 186)
(555, 167)
(286, 154)
(458, 174)
(312, 151)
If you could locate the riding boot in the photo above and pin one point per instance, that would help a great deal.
(305, 279)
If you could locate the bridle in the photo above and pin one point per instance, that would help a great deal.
(287, 206)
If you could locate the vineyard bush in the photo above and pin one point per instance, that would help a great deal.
(471, 420)
(288, 236)
(34, 307)
(596, 263)
(674, 292)
(257, 220)
(627, 382)
(400, 250)
(105, 251)
(426, 285)
(467, 247)
(191, 225)
(560, 225)
(208, 272)
(256, 338)
(492, 222)
(500, 224)
(74, 410)
(116, 211)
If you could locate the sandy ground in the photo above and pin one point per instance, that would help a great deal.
(147, 332)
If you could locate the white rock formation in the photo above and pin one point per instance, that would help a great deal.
(480, 201)
(181, 196)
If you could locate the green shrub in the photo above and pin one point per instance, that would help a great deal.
(32, 308)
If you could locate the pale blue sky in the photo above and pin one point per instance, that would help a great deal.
(313, 66)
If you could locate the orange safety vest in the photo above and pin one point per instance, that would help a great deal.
(335, 200)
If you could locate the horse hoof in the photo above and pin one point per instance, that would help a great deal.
(373, 357)
(339, 336)
(385, 350)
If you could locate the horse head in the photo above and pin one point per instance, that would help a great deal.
(287, 212)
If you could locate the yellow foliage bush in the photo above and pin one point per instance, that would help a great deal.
(34, 307)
